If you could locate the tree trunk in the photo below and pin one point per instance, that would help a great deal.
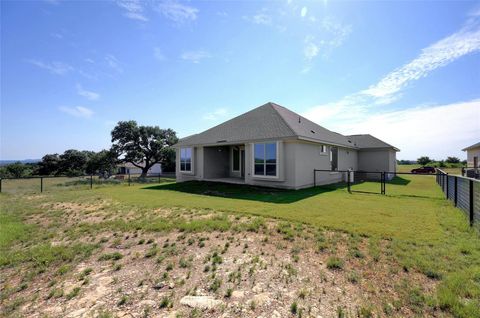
(144, 172)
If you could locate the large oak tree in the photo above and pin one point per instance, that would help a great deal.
(143, 146)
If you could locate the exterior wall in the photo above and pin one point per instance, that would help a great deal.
(308, 157)
(286, 167)
(197, 173)
(475, 152)
(216, 162)
(377, 160)
(127, 168)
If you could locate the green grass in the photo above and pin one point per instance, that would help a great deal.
(424, 232)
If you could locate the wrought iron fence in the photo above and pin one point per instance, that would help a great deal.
(464, 192)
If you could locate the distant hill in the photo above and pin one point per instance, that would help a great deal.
(7, 162)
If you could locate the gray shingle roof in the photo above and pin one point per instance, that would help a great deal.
(367, 141)
(269, 121)
(472, 146)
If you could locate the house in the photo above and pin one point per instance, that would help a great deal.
(275, 147)
(129, 168)
(473, 153)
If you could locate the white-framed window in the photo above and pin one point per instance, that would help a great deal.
(265, 159)
(323, 149)
(186, 159)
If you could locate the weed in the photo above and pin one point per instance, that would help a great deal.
(334, 263)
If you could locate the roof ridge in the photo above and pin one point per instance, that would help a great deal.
(281, 117)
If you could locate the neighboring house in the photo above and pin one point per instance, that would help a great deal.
(473, 154)
(128, 168)
(275, 147)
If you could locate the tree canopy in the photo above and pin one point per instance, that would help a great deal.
(143, 146)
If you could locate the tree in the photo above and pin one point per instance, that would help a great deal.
(142, 146)
(103, 162)
(49, 165)
(16, 170)
(424, 160)
(452, 160)
(73, 162)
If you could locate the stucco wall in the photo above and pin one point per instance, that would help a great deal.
(308, 157)
(286, 168)
(377, 160)
(197, 172)
(475, 152)
(216, 162)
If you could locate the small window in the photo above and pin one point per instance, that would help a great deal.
(323, 149)
(236, 159)
(265, 159)
(186, 159)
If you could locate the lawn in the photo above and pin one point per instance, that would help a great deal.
(410, 231)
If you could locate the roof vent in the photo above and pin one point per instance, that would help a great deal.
(313, 131)
(299, 119)
(222, 140)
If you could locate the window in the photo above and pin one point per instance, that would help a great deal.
(265, 158)
(236, 159)
(334, 158)
(186, 159)
(323, 149)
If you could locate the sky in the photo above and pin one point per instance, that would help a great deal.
(406, 72)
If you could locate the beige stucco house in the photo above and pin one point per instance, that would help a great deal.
(275, 147)
(473, 153)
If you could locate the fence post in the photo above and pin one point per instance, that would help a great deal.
(0, 185)
(129, 178)
(447, 187)
(456, 190)
(314, 178)
(159, 177)
(471, 202)
(41, 184)
(348, 181)
(91, 181)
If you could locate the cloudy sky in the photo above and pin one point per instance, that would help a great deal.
(407, 72)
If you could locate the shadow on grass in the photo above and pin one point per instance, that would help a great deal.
(245, 192)
(399, 181)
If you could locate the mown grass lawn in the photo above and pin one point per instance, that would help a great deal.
(426, 233)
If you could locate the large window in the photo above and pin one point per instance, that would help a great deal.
(236, 159)
(265, 157)
(186, 159)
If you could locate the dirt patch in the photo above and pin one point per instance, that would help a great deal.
(222, 274)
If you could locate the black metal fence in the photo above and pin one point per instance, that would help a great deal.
(463, 192)
(48, 183)
(471, 172)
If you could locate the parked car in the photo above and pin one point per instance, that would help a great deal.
(424, 170)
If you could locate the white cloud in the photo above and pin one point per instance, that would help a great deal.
(303, 12)
(310, 49)
(87, 94)
(216, 114)
(133, 9)
(330, 35)
(77, 111)
(158, 54)
(437, 55)
(113, 63)
(195, 56)
(436, 131)
(58, 68)
(262, 18)
(176, 11)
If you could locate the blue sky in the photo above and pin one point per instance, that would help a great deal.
(407, 72)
